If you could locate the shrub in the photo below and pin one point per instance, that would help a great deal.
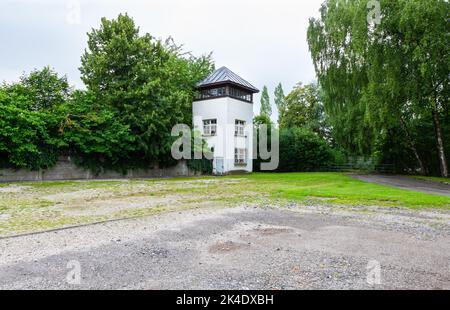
(25, 135)
(93, 134)
(303, 150)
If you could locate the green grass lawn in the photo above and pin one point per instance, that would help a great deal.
(342, 189)
(38, 206)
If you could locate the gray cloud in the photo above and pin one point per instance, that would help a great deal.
(262, 40)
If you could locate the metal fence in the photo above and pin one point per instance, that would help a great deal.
(357, 167)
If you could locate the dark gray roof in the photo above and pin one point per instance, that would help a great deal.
(225, 75)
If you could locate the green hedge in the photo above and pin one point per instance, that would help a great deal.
(303, 150)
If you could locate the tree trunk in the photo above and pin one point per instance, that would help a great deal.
(440, 143)
(413, 147)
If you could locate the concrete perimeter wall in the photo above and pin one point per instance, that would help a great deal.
(65, 169)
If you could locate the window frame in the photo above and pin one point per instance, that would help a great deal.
(211, 93)
(210, 127)
(240, 157)
(239, 128)
(240, 94)
(224, 90)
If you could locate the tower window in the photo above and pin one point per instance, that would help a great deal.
(240, 156)
(240, 94)
(239, 128)
(210, 127)
(212, 93)
(224, 91)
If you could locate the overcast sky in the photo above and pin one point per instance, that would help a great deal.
(264, 41)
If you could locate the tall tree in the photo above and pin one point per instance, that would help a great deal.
(266, 108)
(280, 99)
(382, 76)
(45, 89)
(409, 67)
(341, 71)
(148, 83)
(424, 39)
(304, 108)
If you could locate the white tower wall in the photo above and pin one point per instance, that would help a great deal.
(226, 110)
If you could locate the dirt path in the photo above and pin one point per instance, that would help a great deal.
(302, 247)
(405, 182)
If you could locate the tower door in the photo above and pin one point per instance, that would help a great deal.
(219, 165)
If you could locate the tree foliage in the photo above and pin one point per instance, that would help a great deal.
(303, 150)
(45, 89)
(138, 88)
(280, 99)
(380, 79)
(92, 133)
(148, 84)
(266, 108)
(304, 108)
(27, 137)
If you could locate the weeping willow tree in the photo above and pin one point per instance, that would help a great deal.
(341, 68)
(382, 75)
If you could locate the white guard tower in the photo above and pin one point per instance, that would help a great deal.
(223, 113)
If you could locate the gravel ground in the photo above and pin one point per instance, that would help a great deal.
(406, 182)
(299, 247)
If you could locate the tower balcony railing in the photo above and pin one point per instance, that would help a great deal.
(224, 91)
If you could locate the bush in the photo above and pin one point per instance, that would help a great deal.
(93, 134)
(204, 165)
(138, 88)
(303, 150)
(25, 135)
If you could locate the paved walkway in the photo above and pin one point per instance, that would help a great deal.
(406, 182)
